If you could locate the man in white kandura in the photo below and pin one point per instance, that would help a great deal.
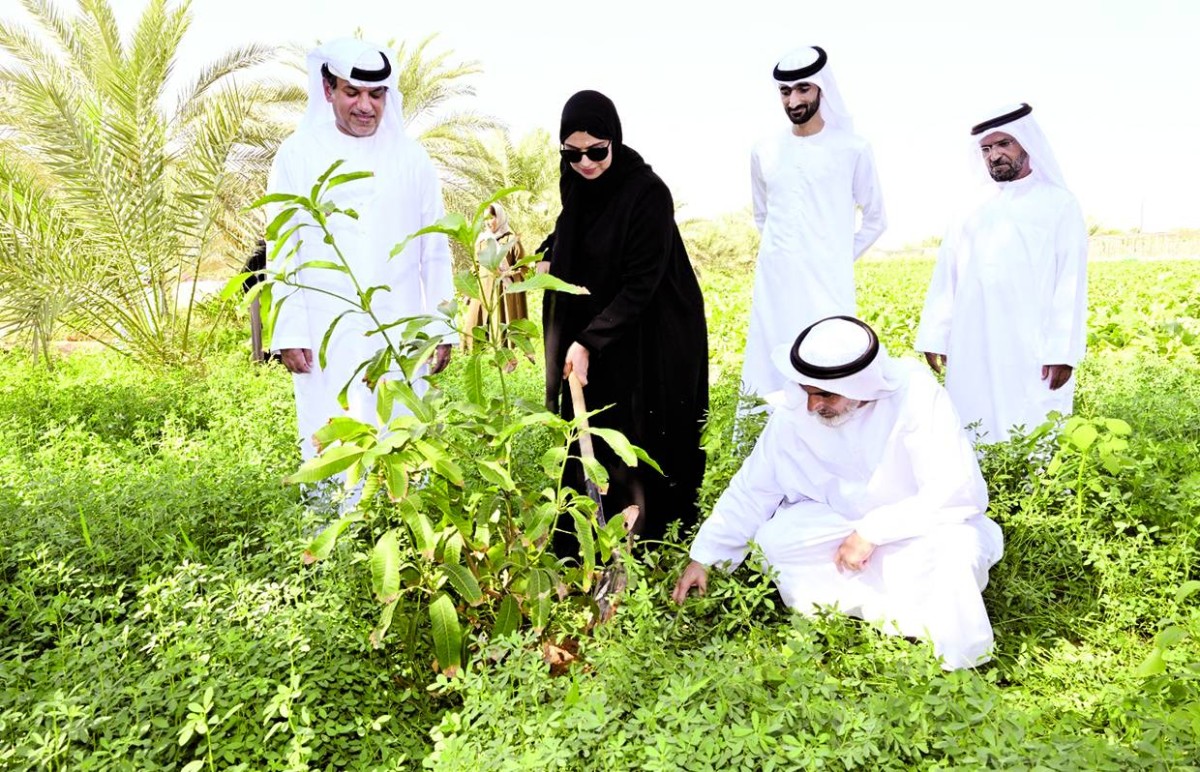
(1006, 312)
(807, 183)
(354, 115)
(863, 493)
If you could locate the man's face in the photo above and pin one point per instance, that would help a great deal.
(1005, 158)
(829, 408)
(801, 102)
(356, 110)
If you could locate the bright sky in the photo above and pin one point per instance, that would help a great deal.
(1113, 83)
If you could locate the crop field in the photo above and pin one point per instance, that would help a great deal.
(156, 612)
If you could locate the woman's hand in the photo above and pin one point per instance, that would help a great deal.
(576, 362)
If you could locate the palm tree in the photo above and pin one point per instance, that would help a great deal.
(111, 196)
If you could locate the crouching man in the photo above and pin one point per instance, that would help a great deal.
(863, 493)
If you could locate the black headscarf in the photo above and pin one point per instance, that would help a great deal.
(583, 200)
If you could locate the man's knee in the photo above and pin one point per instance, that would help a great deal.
(971, 546)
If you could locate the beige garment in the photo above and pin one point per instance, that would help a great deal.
(507, 307)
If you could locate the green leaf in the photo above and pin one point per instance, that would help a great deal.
(378, 367)
(329, 334)
(451, 549)
(644, 457)
(473, 379)
(442, 463)
(1152, 665)
(466, 283)
(395, 476)
(341, 429)
(1117, 426)
(322, 546)
(544, 281)
(540, 520)
(331, 462)
(279, 198)
(385, 567)
(1083, 436)
(587, 545)
(369, 294)
(233, 287)
(552, 461)
(420, 528)
(385, 622)
(324, 265)
(539, 589)
(278, 221)
(595, 472)
(499, 194)
(1170, 637)
(508, 618)
(316, 189)
(497, 475)
(1186, 590)
(463, 582)
(418, 407)
(619, 444)
(536, 418)
(342, 179)
(447, 634)
(453, 225)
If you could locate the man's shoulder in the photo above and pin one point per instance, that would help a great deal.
(288, 147)
(1057, 194)
(771, 141)
(848, 139)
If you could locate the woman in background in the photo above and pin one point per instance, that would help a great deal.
(509, 307)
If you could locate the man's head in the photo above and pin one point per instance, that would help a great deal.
(1012, 147)
(841, 367)
(1005, 158)
(355, 79)
(807, 90)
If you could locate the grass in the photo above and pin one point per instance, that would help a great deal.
(151, 587)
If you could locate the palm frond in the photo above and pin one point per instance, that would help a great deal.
(51, 19)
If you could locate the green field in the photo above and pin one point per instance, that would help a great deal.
(155, 613)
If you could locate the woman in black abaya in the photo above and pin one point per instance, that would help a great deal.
(638, 341)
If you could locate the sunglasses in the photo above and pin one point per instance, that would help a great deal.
(595, 153)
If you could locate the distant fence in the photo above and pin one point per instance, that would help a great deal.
(1120, 246)
(1145, 246)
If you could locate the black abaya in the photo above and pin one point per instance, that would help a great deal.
(642, 323)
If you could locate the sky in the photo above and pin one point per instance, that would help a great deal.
(1113, 84)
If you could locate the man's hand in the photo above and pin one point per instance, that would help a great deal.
(441, 358)
(297, 360)
(1057, 374)
(852, 553)
(542, 266)
(577, 362)
(936, 361)
(695, 575)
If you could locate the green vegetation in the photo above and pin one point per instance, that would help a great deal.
(156, 613)
(168, 602)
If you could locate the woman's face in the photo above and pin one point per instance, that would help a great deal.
(586, 167)
(492, 220)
